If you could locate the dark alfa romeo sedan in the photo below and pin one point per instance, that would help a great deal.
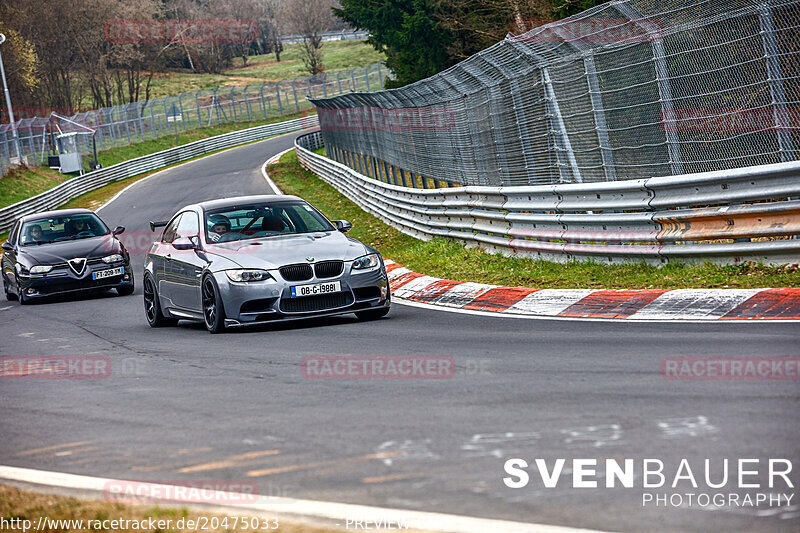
(255, 259)
(68, 250)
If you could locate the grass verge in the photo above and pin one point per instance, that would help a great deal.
(25, 505)
(336, 55)
(451, 260)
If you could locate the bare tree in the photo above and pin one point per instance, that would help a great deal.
(310, 19)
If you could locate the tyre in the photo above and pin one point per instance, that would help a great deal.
(10, 296)
(23, 300)
(152, 307)
(213, 310)
(373, 314)
(125, 290)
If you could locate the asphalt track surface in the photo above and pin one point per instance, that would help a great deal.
(181, 404)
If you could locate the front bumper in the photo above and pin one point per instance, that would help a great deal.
(62, 281)
(270, 301)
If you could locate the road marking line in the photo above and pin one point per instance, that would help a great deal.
(391, 477)
(272, 506)
(199, 158)
(335, 462)
(228, 462)
(55, 447)
(272, 160)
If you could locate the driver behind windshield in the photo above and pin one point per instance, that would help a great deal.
(35, 233)
(220, 225)
(78, 226)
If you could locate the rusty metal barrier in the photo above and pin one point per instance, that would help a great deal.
(745, 214)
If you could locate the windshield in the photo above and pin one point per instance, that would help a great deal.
(263, 220)
(61, 228)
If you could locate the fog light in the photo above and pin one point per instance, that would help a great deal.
(384, 290)
(31, 292)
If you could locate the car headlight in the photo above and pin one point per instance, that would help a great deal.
(113, 258)
(248, 275)
(41, 269)
(366, 261)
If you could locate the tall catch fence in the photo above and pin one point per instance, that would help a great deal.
(627, 90)
(168, 115)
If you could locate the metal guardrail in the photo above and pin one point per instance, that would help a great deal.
(710, 216)
(68, 190)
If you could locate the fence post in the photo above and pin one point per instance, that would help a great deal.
(263, 106)
(664, 87)
(296, 104)
(199, 113)
(555, 111)
(278, 96)
(233, 103)
(247, 103)
(596, 97)
(180, 106)
(366, 76)
(775, 77)
(339, 81)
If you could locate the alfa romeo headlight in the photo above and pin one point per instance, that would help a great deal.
(41, 269)
(248, 275)
(113, 258)
(366, 261)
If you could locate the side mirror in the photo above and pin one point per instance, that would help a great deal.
(184, 243)
(8, 246)
(118, 230)
(343, 225)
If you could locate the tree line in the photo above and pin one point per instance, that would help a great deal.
(423, 37)
(69, 55)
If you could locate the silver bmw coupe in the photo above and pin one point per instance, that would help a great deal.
(257, 259)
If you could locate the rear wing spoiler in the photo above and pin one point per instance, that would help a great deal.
(158, 224)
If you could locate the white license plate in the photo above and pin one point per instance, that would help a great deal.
(317, 288)
(108, 273)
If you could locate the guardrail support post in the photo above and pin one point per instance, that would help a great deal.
(775, 77)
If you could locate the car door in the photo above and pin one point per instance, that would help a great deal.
(10, 258)
(162, 261)
(187, 266)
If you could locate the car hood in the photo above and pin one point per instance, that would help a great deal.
(61, 252)
(273, 252)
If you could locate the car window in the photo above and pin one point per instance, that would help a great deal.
(61, 228)
(262, 220)
(12, 237)
(189, 226)
(171, 230)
